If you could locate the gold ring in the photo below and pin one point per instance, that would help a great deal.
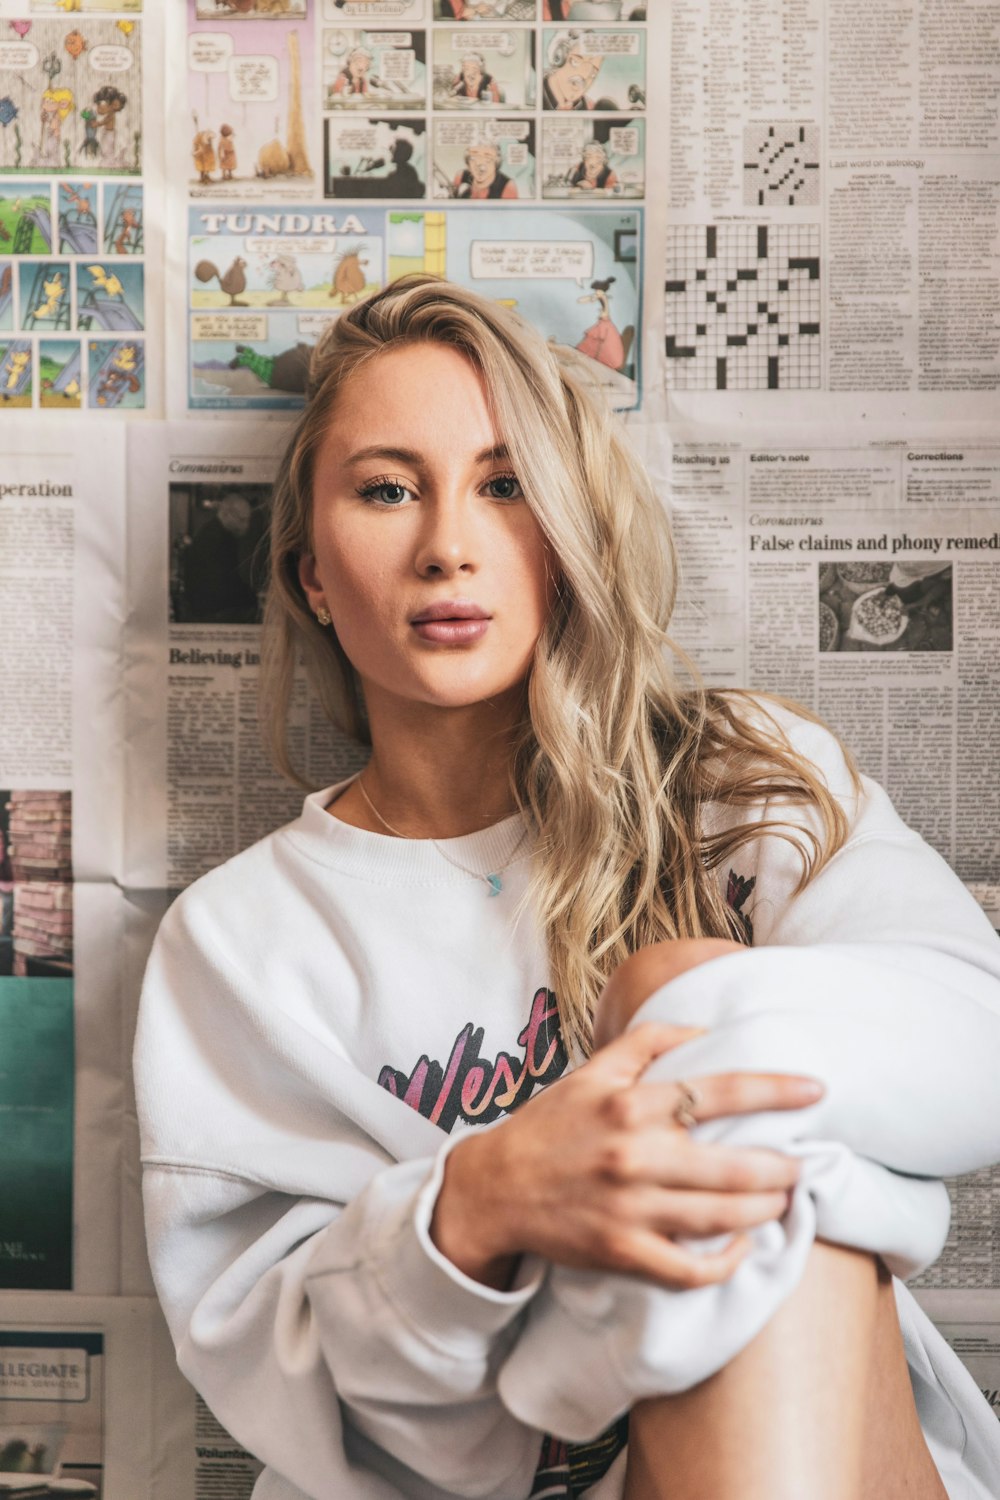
(686, 1104)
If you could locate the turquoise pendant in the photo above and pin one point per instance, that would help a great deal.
(495, 884)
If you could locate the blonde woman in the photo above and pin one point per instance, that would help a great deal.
(725, 1018)
(54, 109)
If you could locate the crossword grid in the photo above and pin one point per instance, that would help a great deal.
(743, 307)
(781, 165)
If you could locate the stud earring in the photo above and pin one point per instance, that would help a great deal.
(324, 616)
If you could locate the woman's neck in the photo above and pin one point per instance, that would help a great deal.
(434, 774)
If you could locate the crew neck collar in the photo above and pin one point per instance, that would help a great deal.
(323, 837)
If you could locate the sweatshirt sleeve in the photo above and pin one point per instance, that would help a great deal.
(882, 979)
(288, 1202)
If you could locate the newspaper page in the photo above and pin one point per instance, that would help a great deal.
(833, 210)
(200, 784)
(340, 144)
(864, 581)
(61, 791)
(970, 1322)
(81, 320)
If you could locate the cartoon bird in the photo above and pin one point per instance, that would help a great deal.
(70, 4)
(54, 291)
(349, 277)
(125, 359)
(110, 285)
(129, 230)
(232, 281)
(284, 276)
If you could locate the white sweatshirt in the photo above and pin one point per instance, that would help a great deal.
(319, 1008)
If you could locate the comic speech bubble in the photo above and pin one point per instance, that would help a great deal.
(337, 42)
(610, 43)
(209, 51)
(483, 41)
(457, 132)
(521, 260)
(243, 327)
(18, 56)
(110, 59)
(391, 38)
(516, 154)
(312, 324)
(506, 130)
(564, 142)
(271, 246)
(253, 78)
(356, 138)
(624, 140)
(397, 65)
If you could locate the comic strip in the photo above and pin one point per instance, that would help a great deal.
(252, 99)
(491, 160)
(603, 158)
(71, 98)
(375, 157)
(262, 287)
(73, 263)
(602, 70)
(384, 69)
(127, 7)
(486, 10)
(573, 274)
(246, 10)
(490, 69)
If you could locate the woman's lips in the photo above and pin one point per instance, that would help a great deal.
(453, 622)
(452, 632)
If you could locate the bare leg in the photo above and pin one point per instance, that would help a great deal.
(819, 1404)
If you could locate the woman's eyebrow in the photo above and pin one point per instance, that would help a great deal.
(498, 453)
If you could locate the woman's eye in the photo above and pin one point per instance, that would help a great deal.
(504, 487)
(388, 492)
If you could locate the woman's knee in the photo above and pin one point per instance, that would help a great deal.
(644, 972)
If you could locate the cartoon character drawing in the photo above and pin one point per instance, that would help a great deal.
(575, 64)
(109, 284)
(55, 106)
(227, 152)
(602, 341)
(129, 231)
(53, 292)
(482, 177)
(232, 281)
(109, 103)
(353, 77)
(287, 371)
(473, 81)
(203, 151)
(348, 277)
(284, 276)
(592, 173)
(17, 362)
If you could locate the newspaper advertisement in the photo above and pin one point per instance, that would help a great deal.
(971, 1324)
(833, 210)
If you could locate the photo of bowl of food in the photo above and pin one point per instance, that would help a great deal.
(829, 628)
(859, 577)
(878, 618)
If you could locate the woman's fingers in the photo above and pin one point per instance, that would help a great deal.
(697, 1214)
(643, 1252)
(664, 1158)
(712, 1096)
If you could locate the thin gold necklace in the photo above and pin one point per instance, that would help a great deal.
(494, 880)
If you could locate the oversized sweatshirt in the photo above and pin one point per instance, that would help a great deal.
(326, 1014)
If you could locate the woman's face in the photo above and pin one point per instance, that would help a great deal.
(434, 569)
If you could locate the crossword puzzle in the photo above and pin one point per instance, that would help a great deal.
(781, 165)
(743, 307)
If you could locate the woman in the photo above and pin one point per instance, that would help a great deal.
(548, 829)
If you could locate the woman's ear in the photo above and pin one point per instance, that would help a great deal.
(309, 579)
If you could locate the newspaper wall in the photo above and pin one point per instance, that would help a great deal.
(774, 230)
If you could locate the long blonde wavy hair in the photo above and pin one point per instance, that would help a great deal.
(615, 760)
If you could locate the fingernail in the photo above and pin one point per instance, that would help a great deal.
(811, 1089)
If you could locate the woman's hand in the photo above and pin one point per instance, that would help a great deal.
(596, 1172)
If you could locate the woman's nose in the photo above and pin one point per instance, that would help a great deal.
(446, 545)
